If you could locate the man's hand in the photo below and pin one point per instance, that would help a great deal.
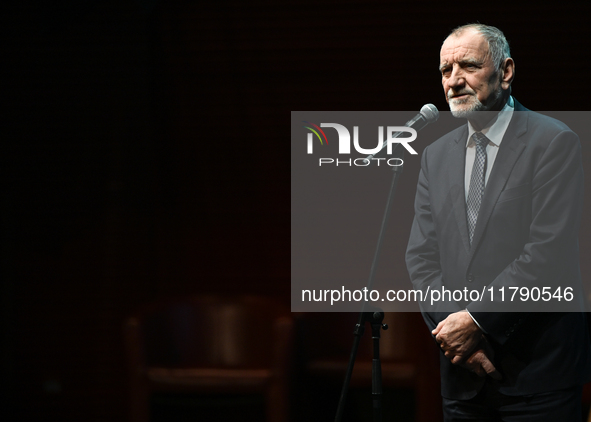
(458, 336)
(480, 364)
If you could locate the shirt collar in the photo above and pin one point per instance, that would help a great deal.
(496, 131)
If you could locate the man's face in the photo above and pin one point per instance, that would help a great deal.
(469, 77)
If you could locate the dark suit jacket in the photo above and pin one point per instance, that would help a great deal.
(526, 235)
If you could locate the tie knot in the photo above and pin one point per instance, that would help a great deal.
(480, 139)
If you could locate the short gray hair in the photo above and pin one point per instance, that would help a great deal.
(498, 47)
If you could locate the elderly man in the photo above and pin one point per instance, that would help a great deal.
(498, 204)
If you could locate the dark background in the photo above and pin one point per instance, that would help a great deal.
(145, 155)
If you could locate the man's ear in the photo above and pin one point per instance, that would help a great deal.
(507, 73)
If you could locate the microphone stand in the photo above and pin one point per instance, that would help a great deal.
(374, 317)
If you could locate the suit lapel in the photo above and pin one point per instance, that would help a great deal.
(509, 151)
(457, 164)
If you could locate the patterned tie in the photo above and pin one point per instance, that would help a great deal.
(476, 189)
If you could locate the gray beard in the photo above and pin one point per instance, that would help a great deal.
(476, 106)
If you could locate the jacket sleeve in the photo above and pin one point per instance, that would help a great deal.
(422, 254)
(550, 257)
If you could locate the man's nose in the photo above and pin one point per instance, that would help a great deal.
(456, 78)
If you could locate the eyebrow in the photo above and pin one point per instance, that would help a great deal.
(469, 60)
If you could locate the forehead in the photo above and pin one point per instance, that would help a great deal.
(470, 44)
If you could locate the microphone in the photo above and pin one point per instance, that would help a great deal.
(428, 114)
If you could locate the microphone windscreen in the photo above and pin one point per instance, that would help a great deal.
(430, 113)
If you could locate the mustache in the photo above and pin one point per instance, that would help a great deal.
(451, 93)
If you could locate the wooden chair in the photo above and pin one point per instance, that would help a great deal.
(211, 345)
(408, 356)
